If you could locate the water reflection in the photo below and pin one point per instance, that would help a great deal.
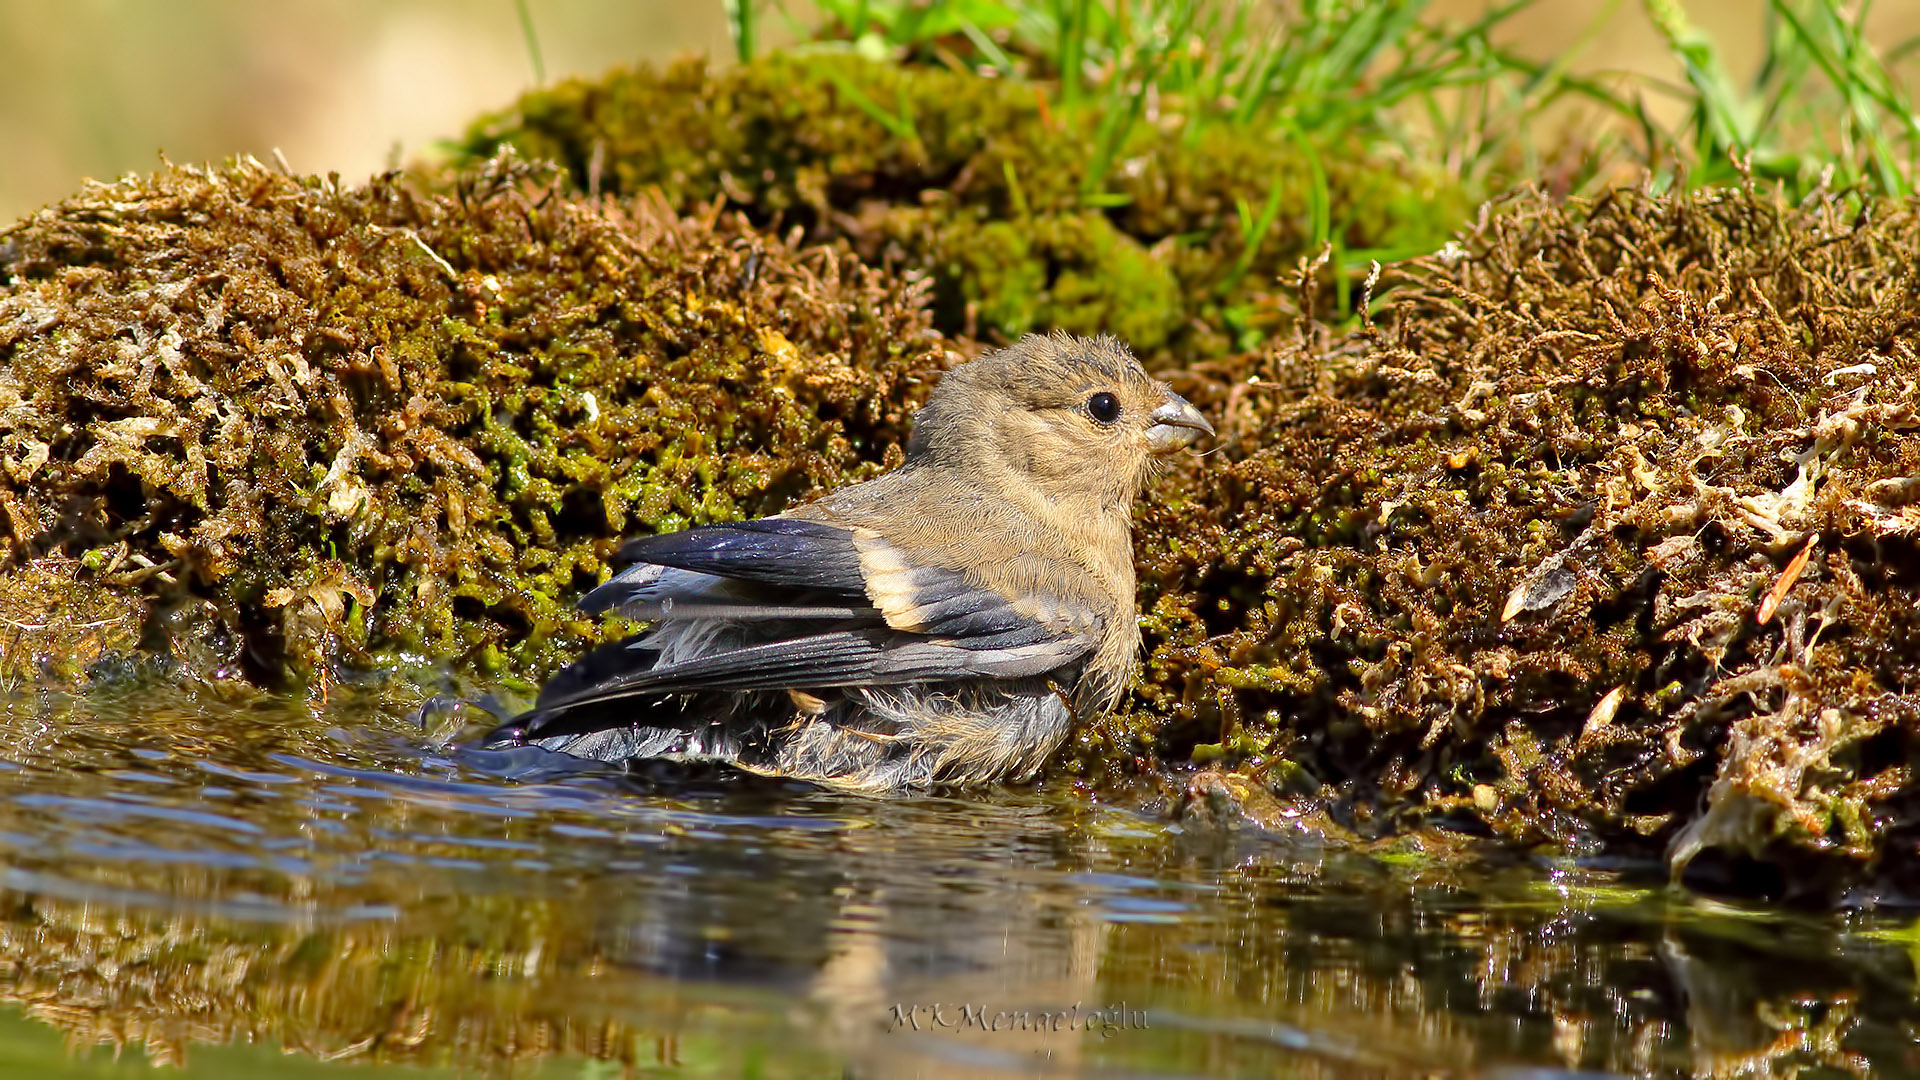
(176, 872)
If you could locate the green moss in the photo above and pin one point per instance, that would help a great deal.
(987, 193)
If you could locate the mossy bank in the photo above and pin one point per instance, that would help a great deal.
(1598, 535)
(306, 424)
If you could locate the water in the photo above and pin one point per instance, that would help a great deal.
(252, 888)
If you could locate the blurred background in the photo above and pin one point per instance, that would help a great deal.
(98, 88)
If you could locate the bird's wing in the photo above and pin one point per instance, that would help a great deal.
(831, 606)
(797, 570)
(773, 568)
(834, 658)
(786, 552)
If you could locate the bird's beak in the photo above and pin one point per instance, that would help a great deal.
(1176, 424)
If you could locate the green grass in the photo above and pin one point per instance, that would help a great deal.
(1827, 105)
(1260, 125)
(1315, 73)
(1326, 77)
(532, 40)
(743, 19)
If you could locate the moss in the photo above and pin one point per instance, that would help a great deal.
(1072, 270)
(351, 423)
(979, 182)
(1609, 517)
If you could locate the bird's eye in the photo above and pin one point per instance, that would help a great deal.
(1104, 407)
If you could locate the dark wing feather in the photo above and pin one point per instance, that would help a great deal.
(784, 552)
(774, 568)
(934, 625)
(839, 658)
(783, 568)
(943, 603)
(869, 657)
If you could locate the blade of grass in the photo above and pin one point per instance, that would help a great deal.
(1253, 232)
(740, 19)
(900, 127)
(1071, 18)
(1718, 111)
(991, 53)
(1857, 87)
(1124, 106)
(1021, 212)
(1319, 199)
(533, 42)
(1540, 86)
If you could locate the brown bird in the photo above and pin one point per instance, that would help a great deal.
(942, 624)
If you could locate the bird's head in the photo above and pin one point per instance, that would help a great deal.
(1074, 416)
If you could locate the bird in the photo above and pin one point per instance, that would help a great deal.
(942, 625)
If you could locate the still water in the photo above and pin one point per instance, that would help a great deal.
(248, 888)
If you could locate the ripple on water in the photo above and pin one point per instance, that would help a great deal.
(263, 874)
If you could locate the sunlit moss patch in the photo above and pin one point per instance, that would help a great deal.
(1024, 216)
(354, 422)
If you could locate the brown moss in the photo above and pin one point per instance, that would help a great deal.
(1503, 556)
(364, 422)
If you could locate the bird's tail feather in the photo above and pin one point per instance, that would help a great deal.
(567, 705)
(602, 664)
